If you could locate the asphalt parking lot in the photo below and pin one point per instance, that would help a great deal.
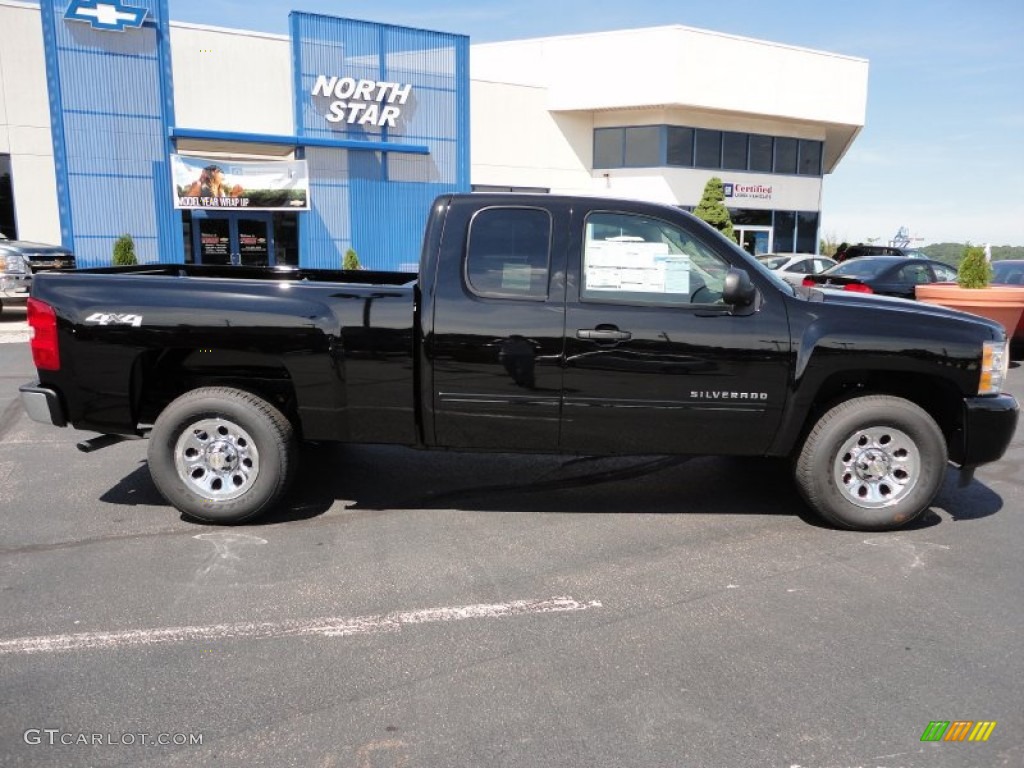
(414, 609)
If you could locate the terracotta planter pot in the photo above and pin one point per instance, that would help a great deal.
(1002, 303)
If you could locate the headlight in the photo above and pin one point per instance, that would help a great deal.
(995, 362)
(12, 262)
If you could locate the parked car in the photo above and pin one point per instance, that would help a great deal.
(864, 249)
(19, 260)
(1011, 272)
(793, 267)
(1008, 272)
(884, 275)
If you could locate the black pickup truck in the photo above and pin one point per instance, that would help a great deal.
(536, 323)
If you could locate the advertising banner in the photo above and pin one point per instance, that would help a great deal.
(273, 185)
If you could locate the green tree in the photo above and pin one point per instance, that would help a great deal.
(974, 271)
(711, 208)
(351, 260)
(124, 251)
(829, 244)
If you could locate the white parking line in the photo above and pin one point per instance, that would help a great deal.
(14, 336)
(326, 627)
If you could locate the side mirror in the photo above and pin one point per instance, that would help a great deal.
(738, 290)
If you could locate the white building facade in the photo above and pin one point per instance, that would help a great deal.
(649, 114)
(655, 113)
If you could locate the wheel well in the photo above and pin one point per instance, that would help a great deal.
(159, 377)
(940, 398)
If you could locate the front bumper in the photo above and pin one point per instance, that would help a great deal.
(989, 424)
(43, 405)
(15, 287)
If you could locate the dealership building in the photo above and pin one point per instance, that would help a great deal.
(215, 145)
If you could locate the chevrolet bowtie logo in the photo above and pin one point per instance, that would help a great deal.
(112, 16)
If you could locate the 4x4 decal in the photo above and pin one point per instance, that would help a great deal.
(113, 318)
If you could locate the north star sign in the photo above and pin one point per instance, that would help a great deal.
(109, 16)
(362, 102)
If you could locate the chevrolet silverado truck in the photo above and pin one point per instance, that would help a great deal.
(20, 260)
(536, 323)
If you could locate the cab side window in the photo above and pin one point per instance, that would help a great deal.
(636, 259)
(507, 254)
(915, 273)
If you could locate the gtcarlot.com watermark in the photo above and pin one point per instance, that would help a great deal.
(55, 737)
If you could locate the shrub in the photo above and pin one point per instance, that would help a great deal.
(351, 260)
(711, 208)
(124, 251)
(974, 270)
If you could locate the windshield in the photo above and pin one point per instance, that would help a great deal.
(1008, 272)
(865, 266)
(773, 262)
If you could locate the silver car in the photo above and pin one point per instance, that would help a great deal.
(794, 267)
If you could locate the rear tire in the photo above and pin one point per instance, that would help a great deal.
(872, 463)
(222, 455)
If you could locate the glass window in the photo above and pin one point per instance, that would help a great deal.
(8, 222)
(186, 230)
(643, 146)
(945, 274)
(810, 158)
(608, 145)
(680, 146)
(806, 232)
(785, 155)
(915, 273)
(640, 260)
(734, 151)
(750, 217)
(286, 239)
(785, 224)
(773, 262)
(507, 255)
(709, 149)
(761, 153)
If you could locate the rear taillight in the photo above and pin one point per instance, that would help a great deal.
(858, 288)
(43, 321)
(808, 282)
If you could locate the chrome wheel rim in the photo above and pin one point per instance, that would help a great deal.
(877, 467)
(216, 459)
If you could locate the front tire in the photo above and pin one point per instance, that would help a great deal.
(221, 455)
(872, 463)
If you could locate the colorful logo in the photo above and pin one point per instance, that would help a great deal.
(112, 16)
(958, 730)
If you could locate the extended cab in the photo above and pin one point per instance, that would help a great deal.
(536, 323)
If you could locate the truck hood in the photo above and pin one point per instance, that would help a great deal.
(27, 248)
(903, 310)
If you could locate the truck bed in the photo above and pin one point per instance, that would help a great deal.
(334, 348)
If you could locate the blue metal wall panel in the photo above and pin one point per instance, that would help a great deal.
(111, 103)
(379, 203)
(326, 235)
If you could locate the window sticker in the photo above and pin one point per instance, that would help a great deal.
(516, 277)
(623, 264)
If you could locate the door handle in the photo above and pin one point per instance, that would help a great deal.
(603, 333)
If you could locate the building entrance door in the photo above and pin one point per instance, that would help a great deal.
(245, 239)
(756, 241)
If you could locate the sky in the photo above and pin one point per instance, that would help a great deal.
(942, 149)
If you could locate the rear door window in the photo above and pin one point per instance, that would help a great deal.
(508, 253)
